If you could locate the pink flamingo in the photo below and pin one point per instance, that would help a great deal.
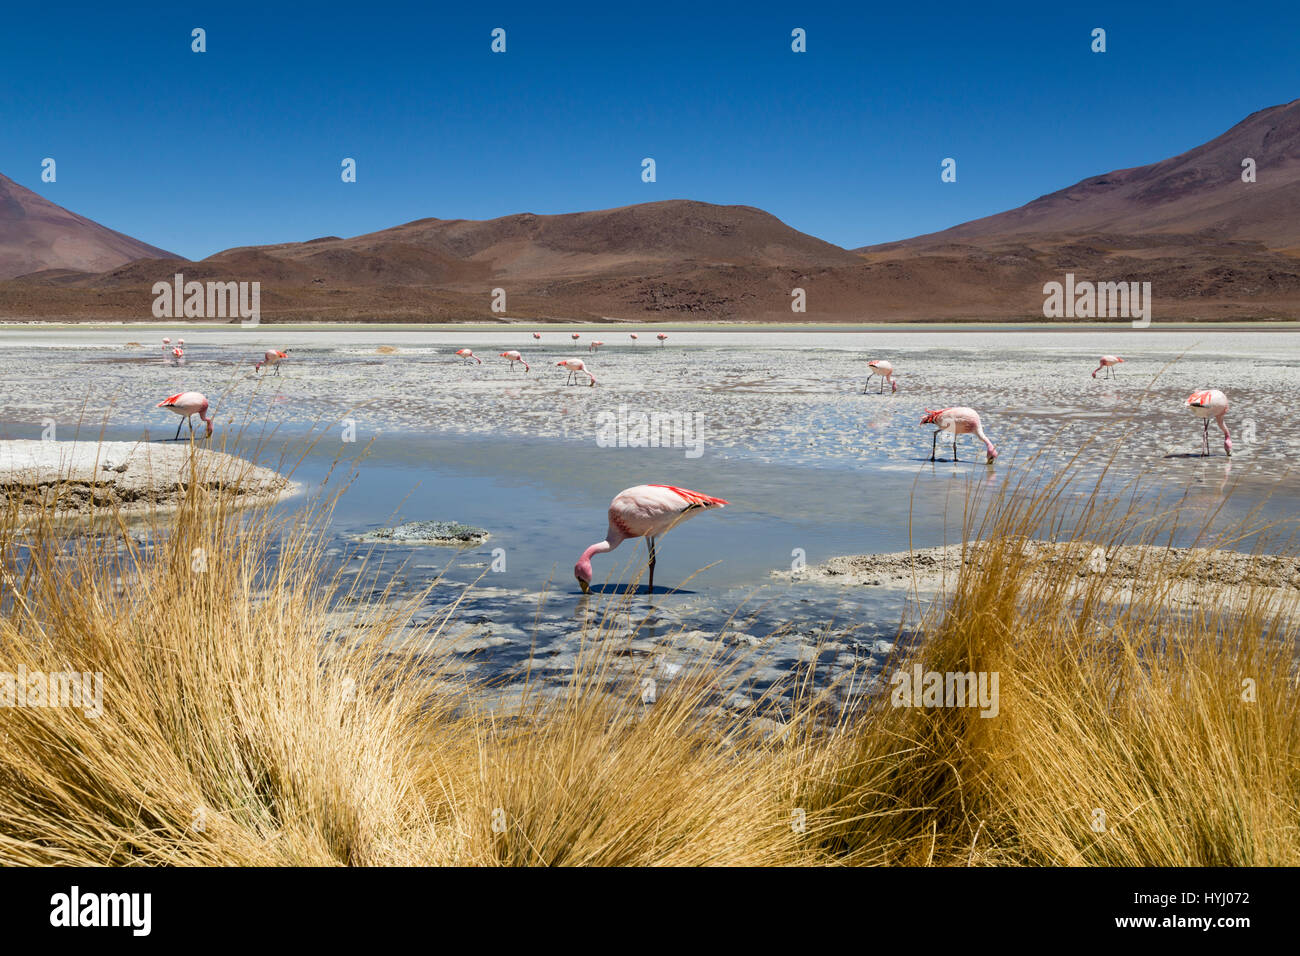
(1208, 404)
(514, 357)
(632, 336)
(468, 354)
(273, 357)
(181, 343)
(662, 337)
(178, 355)
(187, 405)
(959, 421)
(167, 347)
(594, 345)
(537, 335)
(886, 372)
(575, 336)
(1107, 361)
(575, 366)
(645, 511)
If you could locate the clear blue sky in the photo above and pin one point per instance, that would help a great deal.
(242, 144)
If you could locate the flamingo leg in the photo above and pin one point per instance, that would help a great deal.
(934, 445)
(882, 386)
(177, 436)
(650, 543)
(954, 446)
(1205, 440)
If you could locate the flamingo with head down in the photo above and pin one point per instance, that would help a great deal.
(645, 511)
(468, 354)
(886, 372)
(187, 405)
(959, 421)
(1211, 404)
(514, 357)
(575, 366)
(1107, 362)
(273, 358)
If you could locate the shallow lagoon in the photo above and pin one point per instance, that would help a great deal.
(812, 466)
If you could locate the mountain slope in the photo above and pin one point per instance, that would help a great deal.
(1198, 193)
(36, 234)
(629, 240)
(1212, 247)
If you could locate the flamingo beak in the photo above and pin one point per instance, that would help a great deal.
(586, 588)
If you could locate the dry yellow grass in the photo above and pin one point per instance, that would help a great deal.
(241, 725)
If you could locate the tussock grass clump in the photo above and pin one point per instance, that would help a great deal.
(248, 719)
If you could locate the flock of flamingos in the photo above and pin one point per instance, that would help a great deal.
(647, 511)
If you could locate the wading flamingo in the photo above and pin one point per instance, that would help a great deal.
(632, 336)
(515, 357)
(537, 335)
(187, 405)
(662, 337)
(575, 336)
(178, 355)
(273, 357)
(167, 347)
(1208, 404)
(959, 421)
(886, 372)
(594, 345)
(575, 366)
(1107, 361)
(645, 511)
(468, 354)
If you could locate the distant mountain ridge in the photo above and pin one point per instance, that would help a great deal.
(1210, 245)
(36, 235)
(1197, 193)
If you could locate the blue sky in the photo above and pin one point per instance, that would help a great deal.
(242, 144)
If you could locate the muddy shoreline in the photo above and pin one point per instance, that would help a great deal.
(75, 478)
(1200, 577)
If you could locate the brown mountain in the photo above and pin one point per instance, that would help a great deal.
(1212, 246)
(1199, 193)
(36, 235)
(676, 258)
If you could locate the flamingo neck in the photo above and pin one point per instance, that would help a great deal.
(600, 547)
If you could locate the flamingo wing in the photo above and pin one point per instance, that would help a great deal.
(694, 499)
(650, 510)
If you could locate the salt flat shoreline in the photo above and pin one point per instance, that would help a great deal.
(575, 325)
(131, 478)
(1203, 576)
